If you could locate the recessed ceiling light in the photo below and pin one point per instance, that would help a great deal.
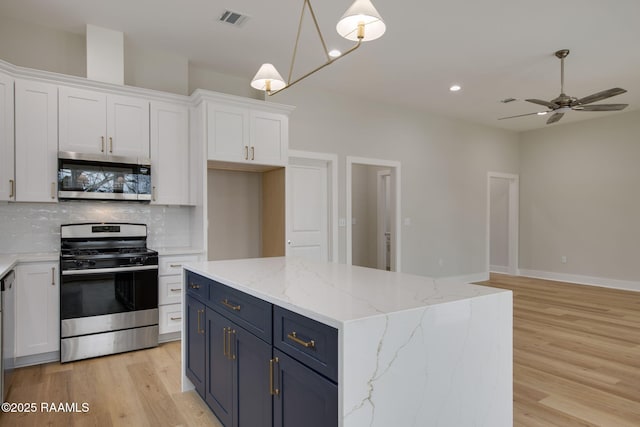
(455, 88)
(334, 53)
(542, 113)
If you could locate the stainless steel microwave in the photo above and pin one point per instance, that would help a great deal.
(95, 177)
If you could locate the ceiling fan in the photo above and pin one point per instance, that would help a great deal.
(564, 103)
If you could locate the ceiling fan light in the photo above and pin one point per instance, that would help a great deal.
(361, 12)
(542, 113)
(268, 79)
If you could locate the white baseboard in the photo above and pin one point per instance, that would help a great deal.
(499, 269)
(37, 359)
(467, 278)
(582, 280)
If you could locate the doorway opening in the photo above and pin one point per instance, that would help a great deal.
(373, 213)
(502, 223)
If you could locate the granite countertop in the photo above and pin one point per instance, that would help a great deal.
(9, 261)
(335, 294)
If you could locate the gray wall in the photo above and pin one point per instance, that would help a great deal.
(444, 170)
(579, 198)
(234, 200)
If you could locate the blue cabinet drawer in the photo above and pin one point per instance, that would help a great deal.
(311, 343)
(251, 313)
(198, 286)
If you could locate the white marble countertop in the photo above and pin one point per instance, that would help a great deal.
(9, 261)
(335, 294)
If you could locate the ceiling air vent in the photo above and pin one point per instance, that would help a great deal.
(233, 18)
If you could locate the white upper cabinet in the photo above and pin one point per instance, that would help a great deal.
(246, 135)
(169, 154)
(104, 124)
(228, 129)
(7, 178)
(269, 138)
(36, 141)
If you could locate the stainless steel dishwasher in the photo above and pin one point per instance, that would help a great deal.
(8, 331)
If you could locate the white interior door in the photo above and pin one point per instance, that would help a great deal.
(307, 216)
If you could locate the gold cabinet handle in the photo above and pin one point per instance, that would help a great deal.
(53, 191)
(306, 344)
(224, 342)
(232, 354)
(200, 331)
(53, 276)
(175, 265)
(175, 289)
(12, 188)
(272, 390)
(246, 152)
(153, 193)
(230, 305)
(102, 144)
(110, 145)
(253, 153)
(175, 318)
(194, 286)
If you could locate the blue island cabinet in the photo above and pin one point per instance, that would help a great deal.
(241, 376)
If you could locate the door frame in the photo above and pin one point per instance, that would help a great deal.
(513, 215)
(396, 230)
(381, 241)
(331, 161)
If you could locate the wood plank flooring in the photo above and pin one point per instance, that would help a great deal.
(140, 388)
(576, 353)
(576, 363)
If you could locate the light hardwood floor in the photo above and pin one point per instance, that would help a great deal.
(136, 389)
(576, 353)
(576, 363)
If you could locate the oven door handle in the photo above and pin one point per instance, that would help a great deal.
(132, 269)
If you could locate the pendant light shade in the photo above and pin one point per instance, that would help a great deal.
(267, 78)
(361, 11)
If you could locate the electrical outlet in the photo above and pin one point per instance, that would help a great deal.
(563, 259)
(342, 222)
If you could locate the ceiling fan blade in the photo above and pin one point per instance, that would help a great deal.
(555, 118)
(547, 104)
(601, 107)
(519, 115)
(600, 96)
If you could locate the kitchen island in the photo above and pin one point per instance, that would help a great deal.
(411, 350)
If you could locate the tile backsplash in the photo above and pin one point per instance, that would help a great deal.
(35, 227)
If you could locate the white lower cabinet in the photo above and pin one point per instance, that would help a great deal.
(37, 308)
(170, 291)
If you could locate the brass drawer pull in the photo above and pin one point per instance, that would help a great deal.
(229, 345)
(110, 144)
(272, 390)
(224, 342)
(175, 318)
(194, 286)
(12, 185)
(200, 331)
(253, 153)
(246, 152)
(306, 344)
(175, 289)
(230, 305)
(175, 265)
(102, 144)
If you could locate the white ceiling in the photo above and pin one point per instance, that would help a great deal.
(494, 48)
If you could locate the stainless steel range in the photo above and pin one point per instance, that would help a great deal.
(108, 291)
